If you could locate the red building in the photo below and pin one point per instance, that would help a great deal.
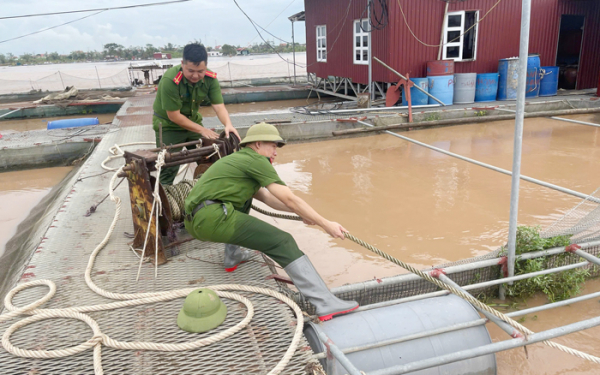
(564, 33)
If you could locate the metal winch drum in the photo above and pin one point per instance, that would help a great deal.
(401, 320)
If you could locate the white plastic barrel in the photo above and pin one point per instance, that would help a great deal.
(401, 320)
(464, 88)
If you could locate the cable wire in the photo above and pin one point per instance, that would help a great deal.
(52, 27)
(273, 20)
(93, 10)
(450, 41)
(254, 24)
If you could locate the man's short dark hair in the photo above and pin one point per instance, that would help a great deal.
(195, 53)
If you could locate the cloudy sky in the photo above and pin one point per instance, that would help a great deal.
(212, 21)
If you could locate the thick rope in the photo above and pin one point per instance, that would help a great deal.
(117, 153)
(464, 295)
(130, 299)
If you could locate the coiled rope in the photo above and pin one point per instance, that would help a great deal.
(129, 299)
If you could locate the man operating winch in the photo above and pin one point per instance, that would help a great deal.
(179, 94)
(217, 210)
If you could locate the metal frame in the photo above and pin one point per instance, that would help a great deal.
(517, 341)
(334, 84)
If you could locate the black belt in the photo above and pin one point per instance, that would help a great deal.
(207, 202)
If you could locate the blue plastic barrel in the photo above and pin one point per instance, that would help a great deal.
(508, 77)
(442, 87)
(416, 96)
(72, 123)
(549, 82)
(486, 87)
(533, 76)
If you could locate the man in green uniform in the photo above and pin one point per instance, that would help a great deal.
(180, 92)
(218, 205)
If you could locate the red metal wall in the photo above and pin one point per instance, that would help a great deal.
(339, 38)
(498, 36)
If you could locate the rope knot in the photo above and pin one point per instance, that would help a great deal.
(97, 339)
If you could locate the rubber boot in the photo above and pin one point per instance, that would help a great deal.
(310, 284)
(234, 256)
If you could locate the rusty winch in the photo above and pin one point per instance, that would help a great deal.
(138, 166)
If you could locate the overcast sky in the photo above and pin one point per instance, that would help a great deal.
(212, 21)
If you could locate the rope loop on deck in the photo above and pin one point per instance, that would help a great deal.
(131, 299)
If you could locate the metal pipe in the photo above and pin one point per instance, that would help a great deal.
(192, 143)
(588, 257)
(404, 78)
(528, 179)
(575, 121)
(348, 97)
(549, 306)
(509, 279)
(518, 142)
(337, 353)
(369, 49)
(374, 284)
(488, 349)
(374, 109)
(512, 332)
(438, 331)
(484, 284)
(294, 51)
(463, 120)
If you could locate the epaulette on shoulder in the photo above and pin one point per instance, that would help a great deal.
(211, 74)
(178, 78)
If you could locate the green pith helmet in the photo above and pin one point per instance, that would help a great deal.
(263, 132)
(202, 311)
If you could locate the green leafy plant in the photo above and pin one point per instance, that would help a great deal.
(433, 117)
(481, 113)
(556, 286)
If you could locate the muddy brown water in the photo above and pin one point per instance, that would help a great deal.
(427, 208)
(42, 123)
(20, 191)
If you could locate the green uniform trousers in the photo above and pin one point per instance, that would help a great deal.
(238, 228)
(172, 137)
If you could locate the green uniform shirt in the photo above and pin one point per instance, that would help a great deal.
(233, 179)
(185, 97)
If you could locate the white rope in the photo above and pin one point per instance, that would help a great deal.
(130, 299)
(116, 153)
(216, 152)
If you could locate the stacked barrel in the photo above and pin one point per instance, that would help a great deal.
(465, 88)
(440, 76)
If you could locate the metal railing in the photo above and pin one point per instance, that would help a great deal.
(517, 341)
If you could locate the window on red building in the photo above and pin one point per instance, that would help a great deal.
(460, 36)
(361, 41)
(322, 43)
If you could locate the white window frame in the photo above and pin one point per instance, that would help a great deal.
(321, 43)
(460, 42)
(360, 34)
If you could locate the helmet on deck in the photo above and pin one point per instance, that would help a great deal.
(263, 132)
(202, 311)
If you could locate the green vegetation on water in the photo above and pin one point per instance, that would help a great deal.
(556, 286)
